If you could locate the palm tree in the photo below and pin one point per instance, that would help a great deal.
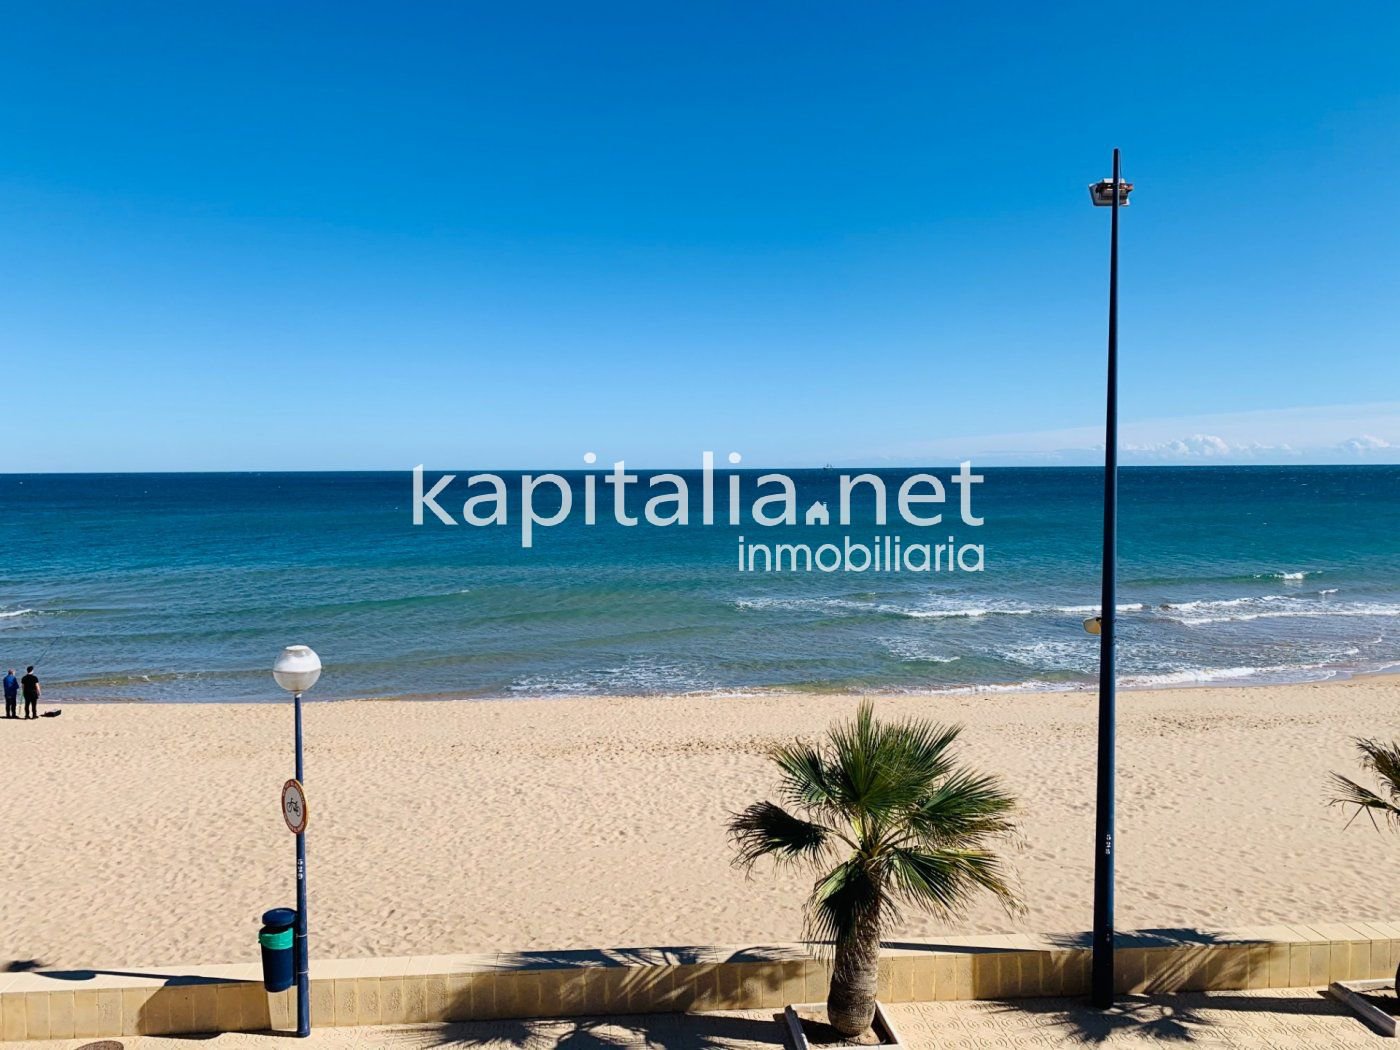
(1383, 763)
(901, 822)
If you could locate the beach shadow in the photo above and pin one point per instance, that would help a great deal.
(671, 981)
(620, 1032)
(675, 955)
(951, 946)
(1153, 1018)
(1168, 1017)
(171, 980)
(23, 965)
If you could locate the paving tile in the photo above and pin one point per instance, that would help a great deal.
(367, 1000)
(60, 1015)
(391, 1001)
(110, 1012)
(14, 1019)
(962, 977)
(459, 997)
(435, 1000)
(85, 1021)
(180, 1003)
(1299, 965)
(648, 989)
(253, 1006)
(414, 998)
(345, 1001)
(1278, 965)
(818, 980)
(282, 1010)
(36, 1015)
(922, 973)
(1130, 969)
(140, 1012)
(884, 981)
(517, 994)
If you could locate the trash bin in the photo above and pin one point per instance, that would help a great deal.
(276, 940)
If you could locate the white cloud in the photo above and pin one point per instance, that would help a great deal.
(1363, 444)
(1206, 447)
(1203, 446)
(1313, 434)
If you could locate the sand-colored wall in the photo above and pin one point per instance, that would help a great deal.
(422, 989)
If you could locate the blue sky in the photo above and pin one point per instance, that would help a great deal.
(264, 236)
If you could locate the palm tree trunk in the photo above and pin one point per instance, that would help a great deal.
(855, 978)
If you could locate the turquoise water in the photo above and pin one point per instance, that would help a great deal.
(183, 587)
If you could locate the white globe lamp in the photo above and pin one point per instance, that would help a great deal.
(297, 668)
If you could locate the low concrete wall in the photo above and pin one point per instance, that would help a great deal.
(59, 1004)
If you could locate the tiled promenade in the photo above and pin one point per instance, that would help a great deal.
(1290, 1019)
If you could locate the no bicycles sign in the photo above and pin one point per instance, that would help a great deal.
(294, 806)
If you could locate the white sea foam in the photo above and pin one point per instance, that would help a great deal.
(1301, 610)
(927, 612)
(1206, 675)
(1189, 676)
(1080, 655)
(12, 613)
(972, 612)
(636, 675)
(1030, 685)
(913, 651)
(803, 603)
(1227, 603)
(922, 612)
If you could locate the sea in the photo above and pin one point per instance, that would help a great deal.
(184, 587)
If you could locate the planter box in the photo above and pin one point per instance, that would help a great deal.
(1352, 995)
(888, 1035)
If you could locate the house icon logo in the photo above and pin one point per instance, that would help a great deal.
(817, 514)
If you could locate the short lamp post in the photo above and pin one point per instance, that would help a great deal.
(1107, 193)
(296, 670)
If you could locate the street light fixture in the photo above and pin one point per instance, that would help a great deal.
(1101, 193)
(1107, 193)
(296, 670)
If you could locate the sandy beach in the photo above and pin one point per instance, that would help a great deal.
(137, 834)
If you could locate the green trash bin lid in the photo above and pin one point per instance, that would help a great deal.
(276, 939)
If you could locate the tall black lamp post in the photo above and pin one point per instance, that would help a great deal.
(1108, 193)
(296, 670)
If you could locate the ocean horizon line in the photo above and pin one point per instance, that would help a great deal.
(673, 468)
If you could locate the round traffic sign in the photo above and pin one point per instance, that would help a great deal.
(294, 806)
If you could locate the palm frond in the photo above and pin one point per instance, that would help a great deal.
(1350, 793)
(878, 773)
(805, 780)
(1384, 762)
(925, 745)
(766, 829)
(965, 807)
(945, 880)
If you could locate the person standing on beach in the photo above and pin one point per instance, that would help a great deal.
(11, 693)
(30, 685)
